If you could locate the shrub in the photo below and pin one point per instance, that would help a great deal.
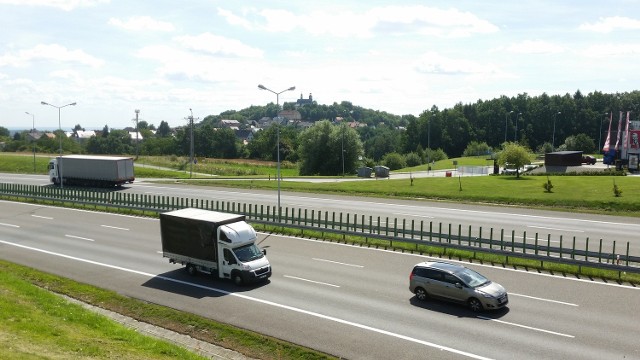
(394, 161)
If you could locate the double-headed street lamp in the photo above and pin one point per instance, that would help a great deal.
(33, 138)
(553, 136)
(262, 87)
(60, 134)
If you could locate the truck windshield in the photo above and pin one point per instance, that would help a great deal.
(248, 252)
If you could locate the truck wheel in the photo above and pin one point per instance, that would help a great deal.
(191, 269)
(237, 278)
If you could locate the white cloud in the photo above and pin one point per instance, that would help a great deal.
(218, 45)
(433, 63)
(142, 23)
(535, 47)
(612, 50)
(234, 20)
(609, 24)
(53, 52)
(66, 5)
(393, 20)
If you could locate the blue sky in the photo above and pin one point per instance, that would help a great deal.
(166, 57)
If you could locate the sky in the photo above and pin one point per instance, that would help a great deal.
(172, 59)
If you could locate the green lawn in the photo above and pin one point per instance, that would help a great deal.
(36, 324)
(583, 193)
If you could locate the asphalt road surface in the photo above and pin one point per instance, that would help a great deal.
(349, 301)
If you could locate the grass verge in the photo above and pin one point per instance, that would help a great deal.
(34, 323)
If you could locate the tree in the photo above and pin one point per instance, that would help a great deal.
(580, 142)
(163, 129)
(324, 148)
(4, 132)
(515, 155)
(78, 127)
(105, 131)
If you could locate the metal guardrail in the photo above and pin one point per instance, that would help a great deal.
(350, 225)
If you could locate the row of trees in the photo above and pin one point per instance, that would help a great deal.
(542, 123)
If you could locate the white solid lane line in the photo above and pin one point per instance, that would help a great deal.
(42, 217)
(557, 229)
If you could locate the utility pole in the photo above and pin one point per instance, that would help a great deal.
(137, 132)
(190, 118)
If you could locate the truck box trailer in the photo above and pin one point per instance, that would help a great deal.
(87, 170)
(216, 243)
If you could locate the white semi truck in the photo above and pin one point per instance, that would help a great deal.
(84, 170)
(215, 243)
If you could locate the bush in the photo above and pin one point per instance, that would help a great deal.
(413, 159)
(476, 149)
(394, 161)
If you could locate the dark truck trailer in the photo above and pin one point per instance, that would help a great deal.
(214, 243)
(98, 171)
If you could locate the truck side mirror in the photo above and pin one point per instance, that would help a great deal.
(264, 251)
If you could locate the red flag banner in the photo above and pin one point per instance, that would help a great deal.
(619, 131)
(607, 141)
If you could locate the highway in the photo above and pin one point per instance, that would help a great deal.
(543, 223)
(348, 301)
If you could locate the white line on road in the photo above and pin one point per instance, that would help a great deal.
(42, 217)
(311, 281)
(78, 237)
(10, 225)
(550, 228)
(115, 227)
(414, 215)
(543, 299)
(339, 263)
(526, 327)
(266, 302)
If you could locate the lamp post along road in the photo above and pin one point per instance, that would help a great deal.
(505, 124)
(515, 137)
(553, 136)
(33, 129)
(600, 137)
(60, 134)
(262, 87)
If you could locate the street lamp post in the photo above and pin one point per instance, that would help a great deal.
(515, 137)
(600, 138)
(553, 136)
(505, 124)
(60, 134)
(33, 129)
(191, 145)
(262, 87)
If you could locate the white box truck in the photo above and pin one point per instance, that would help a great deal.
(87, 170)
(215, 243)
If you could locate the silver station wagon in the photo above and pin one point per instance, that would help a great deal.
(456, 283)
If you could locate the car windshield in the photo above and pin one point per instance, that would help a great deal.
(248, 252)
(472, 278)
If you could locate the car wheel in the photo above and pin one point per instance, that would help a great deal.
(191, 269)
(421, 294)
(237, 279)
(475, 305)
